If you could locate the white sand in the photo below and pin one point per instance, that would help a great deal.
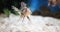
(37, 24)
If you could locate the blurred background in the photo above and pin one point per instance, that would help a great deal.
(38, 7)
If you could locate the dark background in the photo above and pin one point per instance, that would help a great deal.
(38, 7)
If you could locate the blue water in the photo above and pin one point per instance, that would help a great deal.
(35, 4)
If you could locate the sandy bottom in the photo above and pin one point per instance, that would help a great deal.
(36, 24)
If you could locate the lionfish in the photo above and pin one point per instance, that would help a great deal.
(24, 11)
